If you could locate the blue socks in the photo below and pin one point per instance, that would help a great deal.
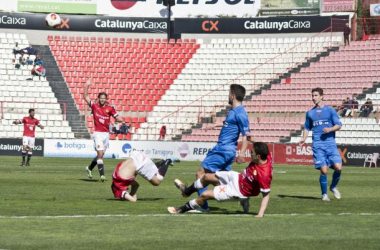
(323, 183)
(200, 191)
(336, 178)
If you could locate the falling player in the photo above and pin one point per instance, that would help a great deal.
(255, 179)
(126, 171)
(324, 121)
(28, 138)
(102, 113)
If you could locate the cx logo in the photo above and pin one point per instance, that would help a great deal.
(210, 26)
(343, 154)
(64, 23)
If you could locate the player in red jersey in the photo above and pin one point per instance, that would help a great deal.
(126, 171)
(28, 138)
(102, 113)
(255, 179)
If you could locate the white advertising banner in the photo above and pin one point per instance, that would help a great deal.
(73, 148)
(183, 8)
(375, 9)
(58, 6)
(186, 151)
(140, 8)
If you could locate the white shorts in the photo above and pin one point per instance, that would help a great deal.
(144, 165)
(101, 140)
(26, 140)
(229, 186)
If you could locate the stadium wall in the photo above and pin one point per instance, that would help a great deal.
(289, 154)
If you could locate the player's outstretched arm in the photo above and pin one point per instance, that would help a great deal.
(132, 196)
(129, 197)
(134, 186)
(16, 122)
(304, 137)
(85, 95)
(244, 145)
(41, 127)
(118, 119)
(264, 205)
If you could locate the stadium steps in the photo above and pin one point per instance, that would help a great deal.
(372, 90)
(223, 112)
(61, 92)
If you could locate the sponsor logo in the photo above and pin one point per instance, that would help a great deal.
(183, 150)
(11, 147)
(124, 4)
(294, 12)
(127, 148)
(129, 24)
(201, 151)
(376, 10)
(299, 150)
(162, 152)
(292, 24)
(196, 2)
(64, 23)
(12, 20)
(288, 150)
(71, 145)
(209, 26)
(343, 154)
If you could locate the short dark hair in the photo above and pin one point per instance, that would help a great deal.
(30, 110)
(238, 91)
(102, 93)
(261, 149)
(319, 90)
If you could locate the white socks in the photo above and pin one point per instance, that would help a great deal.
(159, 177)
(198, 184)
(193, 204)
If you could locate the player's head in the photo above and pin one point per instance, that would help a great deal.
(317, 95)
(237, 92)
(102, 97)
(347, 24)
(31, 112)
(260, 152)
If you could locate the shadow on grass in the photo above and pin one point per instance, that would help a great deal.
(142, 199)
(89, 180)
(298, 197)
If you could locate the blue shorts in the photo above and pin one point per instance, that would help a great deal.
(219, 159)
(326, 156)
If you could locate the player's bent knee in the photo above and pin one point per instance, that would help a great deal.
(338, 167)
(155, 181)
(208, 194)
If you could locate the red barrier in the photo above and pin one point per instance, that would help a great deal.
(290, 154)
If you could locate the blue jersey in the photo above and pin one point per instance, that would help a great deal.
(319, 118)
(235, 123)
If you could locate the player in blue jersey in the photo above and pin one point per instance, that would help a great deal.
(221, 157)
(324, 121)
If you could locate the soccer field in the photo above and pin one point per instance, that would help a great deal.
(52, 205)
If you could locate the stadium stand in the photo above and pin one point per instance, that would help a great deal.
(206, 78)
(18, 95)
(137, 71)
(281, 108)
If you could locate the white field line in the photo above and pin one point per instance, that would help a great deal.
(167, 215)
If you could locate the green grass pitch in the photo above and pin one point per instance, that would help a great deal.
(52, 205)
